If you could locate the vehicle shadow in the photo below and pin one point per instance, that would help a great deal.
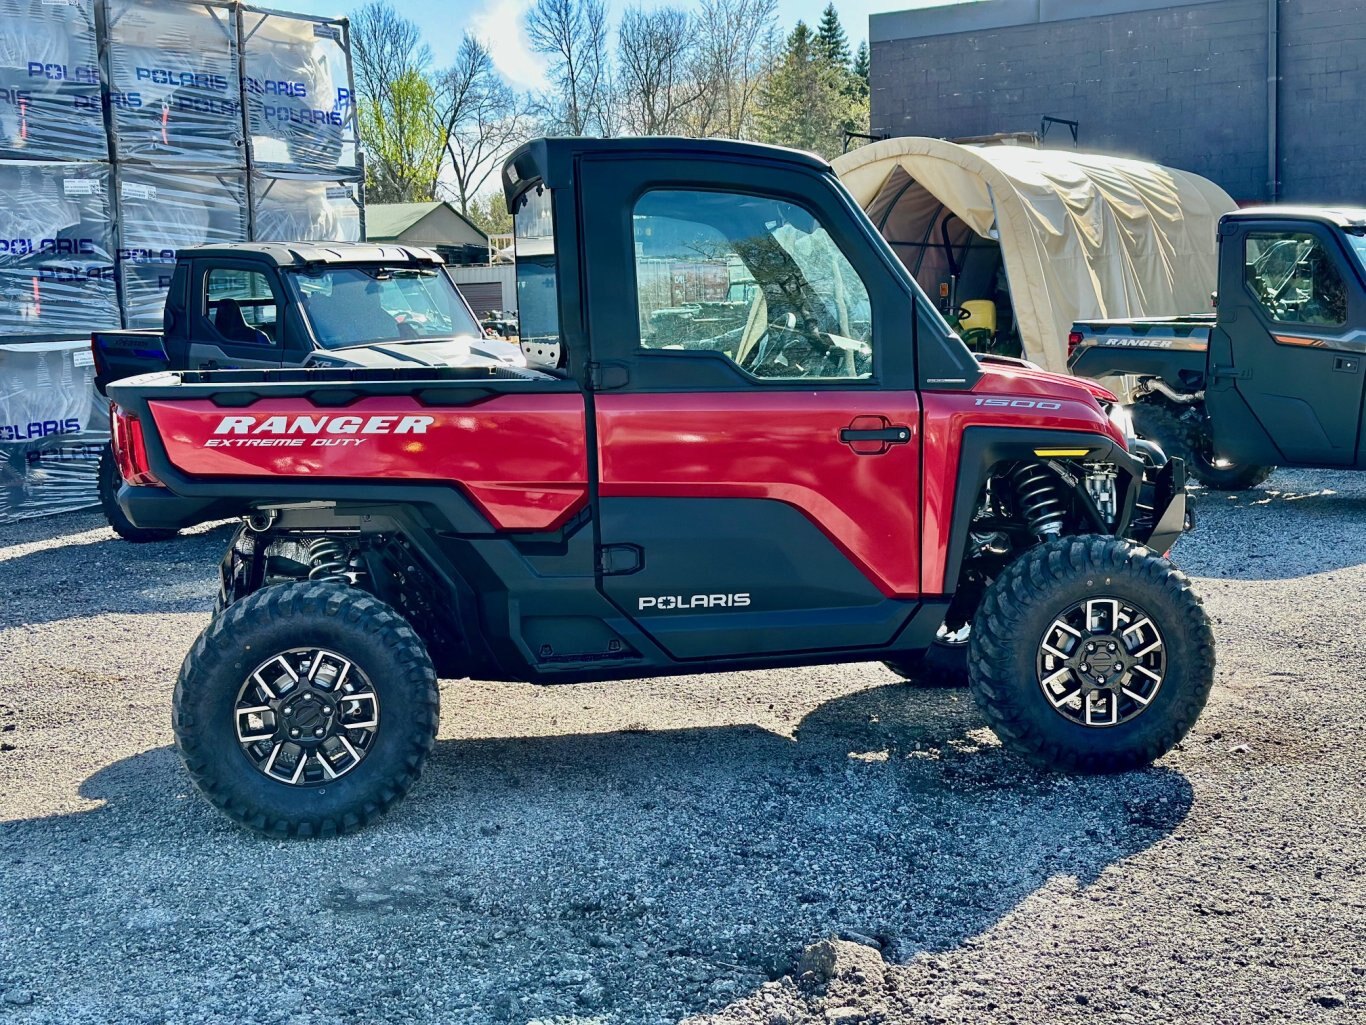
(91, 571)
(1299, 523)
(625, 877)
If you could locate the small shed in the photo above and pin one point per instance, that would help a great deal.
(1050, 236)
(439, 226)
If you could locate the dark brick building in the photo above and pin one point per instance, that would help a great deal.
(1265, 97)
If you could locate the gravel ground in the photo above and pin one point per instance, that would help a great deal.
(818, 845)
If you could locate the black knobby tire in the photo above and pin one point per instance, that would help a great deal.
(939, 665)
(109, 482)
(1010, 626)
(283, 617)
(1189, 441)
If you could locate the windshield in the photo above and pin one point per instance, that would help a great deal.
(1358, 243)
(363, 305)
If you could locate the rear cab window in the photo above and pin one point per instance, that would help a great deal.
(538, 302)
(241, 305)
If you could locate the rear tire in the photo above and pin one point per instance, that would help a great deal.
(109, 482)
(1190, 441)
(279, 786)
(1153, 708)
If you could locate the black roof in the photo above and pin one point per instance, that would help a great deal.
(298, 254)
(1335, 216)
(551, 160)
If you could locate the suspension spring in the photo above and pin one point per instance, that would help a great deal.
(330, 562)
(1037, 494)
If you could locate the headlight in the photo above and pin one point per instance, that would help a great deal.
(1122, 419)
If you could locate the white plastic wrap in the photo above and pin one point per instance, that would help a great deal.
(305, 210)
(161, 212)
(50, 81)
(300, 114)
(56, 249)
(174, 86)
(53, 425)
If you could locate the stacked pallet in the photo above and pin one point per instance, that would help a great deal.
(130, 129)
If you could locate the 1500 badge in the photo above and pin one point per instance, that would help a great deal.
(673, 602)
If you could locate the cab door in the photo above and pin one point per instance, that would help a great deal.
(237, 324)
(1290, 347)
(758, 427)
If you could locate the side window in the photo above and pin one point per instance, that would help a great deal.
(1295, 278)
(241, 306)
(755, 279)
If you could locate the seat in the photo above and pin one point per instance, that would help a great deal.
(230, 323)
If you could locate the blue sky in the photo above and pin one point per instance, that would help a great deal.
(495, 21)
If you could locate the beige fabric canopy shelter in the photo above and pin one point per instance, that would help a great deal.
(1082, 235)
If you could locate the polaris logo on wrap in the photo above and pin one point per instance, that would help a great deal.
(325, 430)
(270, 87)
(84, 74)
(182, 79)
(674, 602)
(39, 429)
(47, 246)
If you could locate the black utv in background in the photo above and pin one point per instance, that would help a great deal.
(1275, 376)
(276, 305)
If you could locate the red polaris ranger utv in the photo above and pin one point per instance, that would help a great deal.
(688, 477)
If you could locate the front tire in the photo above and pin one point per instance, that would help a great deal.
(1133, 697)
(1189, 440)
(109, 481)
(306, 709)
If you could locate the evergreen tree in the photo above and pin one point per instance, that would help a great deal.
(861, 66)
(806, 101)
(831, 42)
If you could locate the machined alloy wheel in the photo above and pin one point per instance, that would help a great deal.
(306, 716)
(1101, 662)
(1090, 654)
(306, 709)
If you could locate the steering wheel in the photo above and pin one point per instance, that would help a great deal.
(791, 352)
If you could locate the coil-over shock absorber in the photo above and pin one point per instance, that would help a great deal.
(330, 562)
(1039, 499)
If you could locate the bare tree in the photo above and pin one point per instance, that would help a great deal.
(398, 118)
(573, 34)
(384, 47)
(482, 119)
(736, 43)
(655, 57)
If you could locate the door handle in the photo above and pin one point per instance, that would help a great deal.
(1226, 373)
(873, 435)
(891, 435)
(1347, 364)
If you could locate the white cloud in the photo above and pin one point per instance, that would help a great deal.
(500, 26)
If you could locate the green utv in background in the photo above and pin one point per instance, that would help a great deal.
(1274, 377)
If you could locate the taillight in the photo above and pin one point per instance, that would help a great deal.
(1073, 340)
(130, 450)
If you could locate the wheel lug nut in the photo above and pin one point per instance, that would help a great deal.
(308, 697)
(318, 732)
(1112, 647)
(289, 710)
(293, 733)
(1085, 667)
(327, 710)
